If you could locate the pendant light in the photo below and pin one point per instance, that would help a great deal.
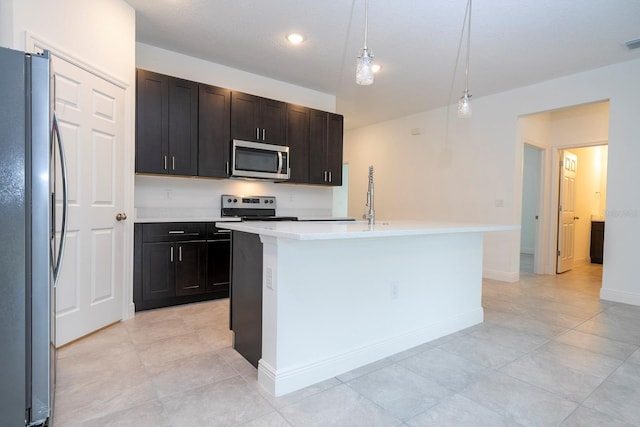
(464, 104)
(364, 68)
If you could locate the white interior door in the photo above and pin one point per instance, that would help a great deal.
(90, 111)
(566, 210)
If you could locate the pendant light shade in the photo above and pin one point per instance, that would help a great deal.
(364, 67)
(464, 104)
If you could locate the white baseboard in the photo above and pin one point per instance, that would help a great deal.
(282, 381)
(502, 276)
(620, 296)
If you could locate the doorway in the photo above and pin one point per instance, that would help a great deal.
(588, 207)
(583, 129)
(532, 174)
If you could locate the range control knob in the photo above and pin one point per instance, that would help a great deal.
(228, 200)
(235, 200)
(271, 201)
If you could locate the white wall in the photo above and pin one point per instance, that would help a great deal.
(187, 197)
(479, 166)
(100, 33)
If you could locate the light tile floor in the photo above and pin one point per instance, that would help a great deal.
(549, 353)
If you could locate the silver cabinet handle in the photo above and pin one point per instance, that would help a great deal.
(258, 134)
(330, 180)
(173, 162)
(325, 176)
(227, 168)
(171, 253)
(263, 134)
(121, 216)
(165, 162)
(176, 232)
(180, 253)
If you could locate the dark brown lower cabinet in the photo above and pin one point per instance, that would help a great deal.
(597, 242)
(176, 263)
(191, 268)
(246, 295)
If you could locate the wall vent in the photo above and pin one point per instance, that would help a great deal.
(633, 44)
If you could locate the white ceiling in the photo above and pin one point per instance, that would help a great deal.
(513, 43)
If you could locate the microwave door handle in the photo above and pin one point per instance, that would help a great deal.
(279, 161)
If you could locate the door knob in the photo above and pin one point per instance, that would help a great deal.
(576, 217)
(121, 216)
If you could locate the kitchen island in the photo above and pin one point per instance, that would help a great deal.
(340, 295)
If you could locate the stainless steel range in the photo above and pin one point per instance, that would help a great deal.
(252, 208)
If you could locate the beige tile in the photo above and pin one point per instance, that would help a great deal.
(101, 395)
(96, 343)
(224, 403)
(187, 373)
(150, 414)
(170, 349)
(148, 332)
(216, 339)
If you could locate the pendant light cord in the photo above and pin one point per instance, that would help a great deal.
(366, 23)
(466, 71)
(467, 13)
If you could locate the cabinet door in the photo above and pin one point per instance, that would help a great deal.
(318, 173)
(218, 258)
(158, 271)
(273, 125)
(298, 142)
(191, 261)
(152, 122)
(214, 133)
(334, 148)
(183, 127)
(245, 113)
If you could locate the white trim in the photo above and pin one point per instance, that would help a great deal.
(35, 43)
(620, 296)
(282, 381)
(502, 276)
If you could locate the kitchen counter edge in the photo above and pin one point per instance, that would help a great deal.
(331, 230)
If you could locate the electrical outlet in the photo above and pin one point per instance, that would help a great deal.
(268, 278)
(394, 290)
(499, 203)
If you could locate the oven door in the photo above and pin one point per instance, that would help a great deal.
(257, 160)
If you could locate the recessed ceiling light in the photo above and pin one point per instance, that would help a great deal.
(376, 67)
(295, 38)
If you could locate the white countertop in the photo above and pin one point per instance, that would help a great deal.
(185, 219)
(327, 230)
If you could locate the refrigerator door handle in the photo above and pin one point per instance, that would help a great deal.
(65, 201)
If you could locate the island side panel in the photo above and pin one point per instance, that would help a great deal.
(246, 295)
(335, 305)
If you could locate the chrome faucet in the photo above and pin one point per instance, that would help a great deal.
(371, 216)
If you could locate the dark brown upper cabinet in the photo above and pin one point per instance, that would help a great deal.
(325, 148)
(166, 124)
(298, 142)
(214, 131)
(258, 119)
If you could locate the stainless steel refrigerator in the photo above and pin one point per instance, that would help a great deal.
(29, 262)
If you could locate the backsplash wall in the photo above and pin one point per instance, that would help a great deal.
(175, 197)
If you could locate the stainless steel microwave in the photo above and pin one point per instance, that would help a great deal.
(258, 160)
